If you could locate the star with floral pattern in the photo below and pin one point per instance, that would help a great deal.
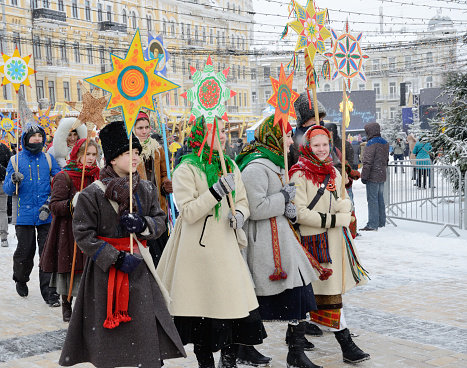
(46, 121)
(16, 70)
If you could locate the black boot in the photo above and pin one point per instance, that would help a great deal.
(204, 357)
(248, 355)
(351, 352)
(296, 357)
(307, 346)
(66, 308)
(228, 357)
(312, 330)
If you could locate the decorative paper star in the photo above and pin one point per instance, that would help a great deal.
(347, 56)
(283, 99)
(132, 83)
(208, 93)
(16, 70)
(310, 28)
(157, 51)
(45, 121)
(90, 108)
(8, 126)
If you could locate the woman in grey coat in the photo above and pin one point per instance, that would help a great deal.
(279, 266)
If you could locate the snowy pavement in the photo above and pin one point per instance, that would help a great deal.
(413, 312)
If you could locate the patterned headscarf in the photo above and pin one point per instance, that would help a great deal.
(201, 154)
(309, 164)
(269, 144)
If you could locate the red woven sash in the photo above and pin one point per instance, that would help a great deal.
(278, 273)
(118, 286)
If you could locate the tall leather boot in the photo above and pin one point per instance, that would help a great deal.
(296, 357)
(228, 357)
(307, 346)
(248, 355)
(204, 357)
(351, 352)
(66, 308)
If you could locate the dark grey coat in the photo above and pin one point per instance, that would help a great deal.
(375, 156)
(151, 335)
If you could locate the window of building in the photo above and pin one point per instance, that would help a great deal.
(244, 72)
(211, 36)
(109, 13)
(378, 113)
(429, 57)
(233, 8)
(204, 34)
(392, 112)
(408, 87)
(134, 24)
(267, 95)
(188, 32)
(90, 59)
(266, 71)
(37, 48)
(327, 87)
(87, 10)
(52, 93)
(196, 33)
(99, 12)
(429, 82)
(60, 5)
(17, 41)
(74, 8)
(14, 2)
(66, 91)
(76, 52)
(40, 89)
(48, 50)
(124, 16)
(408, 61)
(149, 23)
(78, 89)
(253, 73)
(361, 86)
(62, 47)
(102, 56)
(376, 64)
(377, 89)
(172, 29)
(392, 90)
(253, 96)
(245, 100)
(175, 97)
(174, 65)
(392, 62)
(164, 27)
(182, 31)
(46, 4)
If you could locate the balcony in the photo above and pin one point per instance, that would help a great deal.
(108, 25)
(48, 61)
(48, 17)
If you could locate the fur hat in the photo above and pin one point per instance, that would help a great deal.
(114, 140)
(304, 113)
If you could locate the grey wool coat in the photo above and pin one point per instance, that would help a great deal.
(151, 335)
(262, 180)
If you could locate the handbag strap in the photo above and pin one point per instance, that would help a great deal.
(319, 193)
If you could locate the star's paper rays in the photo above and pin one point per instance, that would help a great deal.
(16, 70)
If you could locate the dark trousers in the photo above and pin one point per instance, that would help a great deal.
(398, 158)
(23, 258)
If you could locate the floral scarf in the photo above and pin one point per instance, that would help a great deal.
(309, 164)
(118, 188)
(200, 158)
(269, 144)
(75, 169)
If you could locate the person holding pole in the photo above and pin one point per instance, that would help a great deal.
(214, 303)
(324, 216)
(120, 316)
(280, 267)
(57, 256)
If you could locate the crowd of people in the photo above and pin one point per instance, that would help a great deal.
(250, 243)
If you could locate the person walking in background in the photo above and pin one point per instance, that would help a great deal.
(375, 162)
(356, 153)
(5, 155)
(422, 154)
(31, 169)
(398, 152)
(412, 142)
(57, 256)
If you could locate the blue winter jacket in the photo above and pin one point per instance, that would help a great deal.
(34, 189)
(421, 152)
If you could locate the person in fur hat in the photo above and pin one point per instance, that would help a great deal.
(120, 316)
(64, 140)
(305, 119)
(153, 168)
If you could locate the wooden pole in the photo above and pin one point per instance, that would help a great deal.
(75, 246)
(315, 103)
(344, 114)
(224, 168)
(18, 123)
(286, 159)
(131, 187)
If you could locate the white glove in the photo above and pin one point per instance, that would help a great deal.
(343, 205)
(75, 199)
(343, 218)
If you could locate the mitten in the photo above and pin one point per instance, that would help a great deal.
(237, 221)
(343, 205)
(289, 192)
(133, 222)
(343, 219)
(44, 212)
(16, 177)
(224, 186)
(167, 186)
(290, 211)
(364, 181)
(127, 262)
(75, 199)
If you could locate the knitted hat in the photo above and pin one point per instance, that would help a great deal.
(114, 139)
(304, 113)
(142, 115)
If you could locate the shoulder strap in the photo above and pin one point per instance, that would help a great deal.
(102, 187)
(49, 161)
(319, 193)
(68, 179)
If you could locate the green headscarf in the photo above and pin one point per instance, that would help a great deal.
(212, 170)
(269, 144)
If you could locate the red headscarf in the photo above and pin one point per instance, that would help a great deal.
(75, 169)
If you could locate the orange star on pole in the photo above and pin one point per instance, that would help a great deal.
(283, 99)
